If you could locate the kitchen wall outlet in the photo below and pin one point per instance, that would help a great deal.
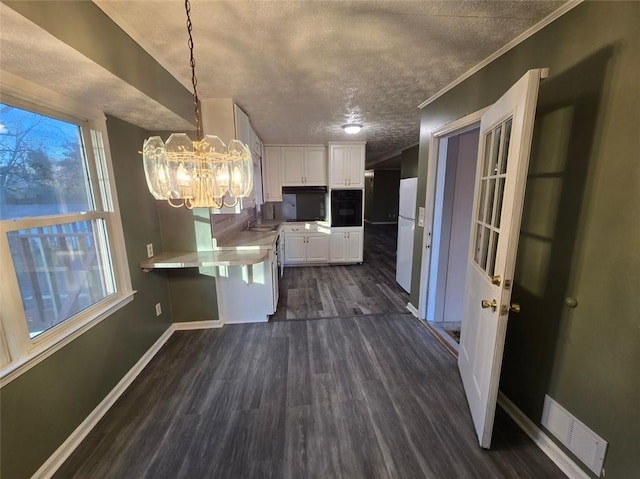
(149, 250)
(158, 309)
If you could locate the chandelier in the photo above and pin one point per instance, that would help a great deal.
(201, 173)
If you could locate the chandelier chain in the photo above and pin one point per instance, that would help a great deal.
(194, 80)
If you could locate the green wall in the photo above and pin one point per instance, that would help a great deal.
(43, 406)
(409, 165)
(581, 222)
(383, 201)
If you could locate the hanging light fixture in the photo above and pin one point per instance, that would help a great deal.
(200, 173)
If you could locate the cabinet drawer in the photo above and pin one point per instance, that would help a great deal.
(299, 227)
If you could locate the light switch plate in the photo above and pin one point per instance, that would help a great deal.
(149, 250)
(421, 216)
(158, 309)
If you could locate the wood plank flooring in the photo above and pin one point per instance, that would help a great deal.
(361, 397)
(309, 292)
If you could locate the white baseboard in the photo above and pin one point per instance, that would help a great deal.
(190, 325)
(49, 468)
(412, 309)
(61, 454)
(550, 448)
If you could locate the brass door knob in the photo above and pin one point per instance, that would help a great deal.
(489, 304)
(496, 280)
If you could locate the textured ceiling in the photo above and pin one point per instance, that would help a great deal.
(301, 69)
(26, 51)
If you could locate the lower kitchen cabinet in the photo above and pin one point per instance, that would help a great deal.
(233, 289)
(309, 247)
(346, 245)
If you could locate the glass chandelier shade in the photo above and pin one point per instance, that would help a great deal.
(201, 173)
(197, 173)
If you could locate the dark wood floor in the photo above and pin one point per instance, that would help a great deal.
(361, 397)
(328, 291)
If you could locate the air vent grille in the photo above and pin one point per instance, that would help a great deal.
(578, 438)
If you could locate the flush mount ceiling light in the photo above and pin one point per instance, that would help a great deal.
(352, 128)
(201, 173)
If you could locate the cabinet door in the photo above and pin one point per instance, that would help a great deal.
(337, 250)
(354, 246)
(338, 156)
(292, 165)
(272, 174)
(315, 166)
(295, 248)
(318, 248)
(355, 166)
(243, 127)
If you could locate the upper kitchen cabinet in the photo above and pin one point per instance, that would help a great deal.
(272, 174)
(346, 165)
(304, 165)
(244, 132)
(223, 118)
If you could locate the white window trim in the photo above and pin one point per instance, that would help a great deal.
(18, 352)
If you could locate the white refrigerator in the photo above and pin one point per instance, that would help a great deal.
(406, 227)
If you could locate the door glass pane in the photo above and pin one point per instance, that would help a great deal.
(42, 166)
(499, 198)
(61, 269)
(505, 148)
(495, 151)
(485, 247)
(487, 154)
(490, 198)
(478, 242)
(482, 199)
(492, 253)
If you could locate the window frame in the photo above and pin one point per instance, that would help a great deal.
(18, 351)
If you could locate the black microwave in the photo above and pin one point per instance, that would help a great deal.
(346, 207)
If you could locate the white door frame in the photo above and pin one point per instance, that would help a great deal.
(435, 181)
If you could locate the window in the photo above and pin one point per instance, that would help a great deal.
(61, 245)
(492, 183)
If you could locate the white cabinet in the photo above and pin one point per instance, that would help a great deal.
(346, 165)
(346, 245)
(304, 165)
(223, 118)
(295, 248)
(292, 165)
(243, 126)
(305, 244)
(315, 166)
(233, 289)
(272, 174)
(317, 247)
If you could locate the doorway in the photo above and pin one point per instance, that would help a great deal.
(454, 155)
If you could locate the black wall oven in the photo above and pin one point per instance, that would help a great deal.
(346, 207)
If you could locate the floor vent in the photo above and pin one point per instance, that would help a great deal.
(578, 438)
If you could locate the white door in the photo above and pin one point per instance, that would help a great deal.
(503, 157)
